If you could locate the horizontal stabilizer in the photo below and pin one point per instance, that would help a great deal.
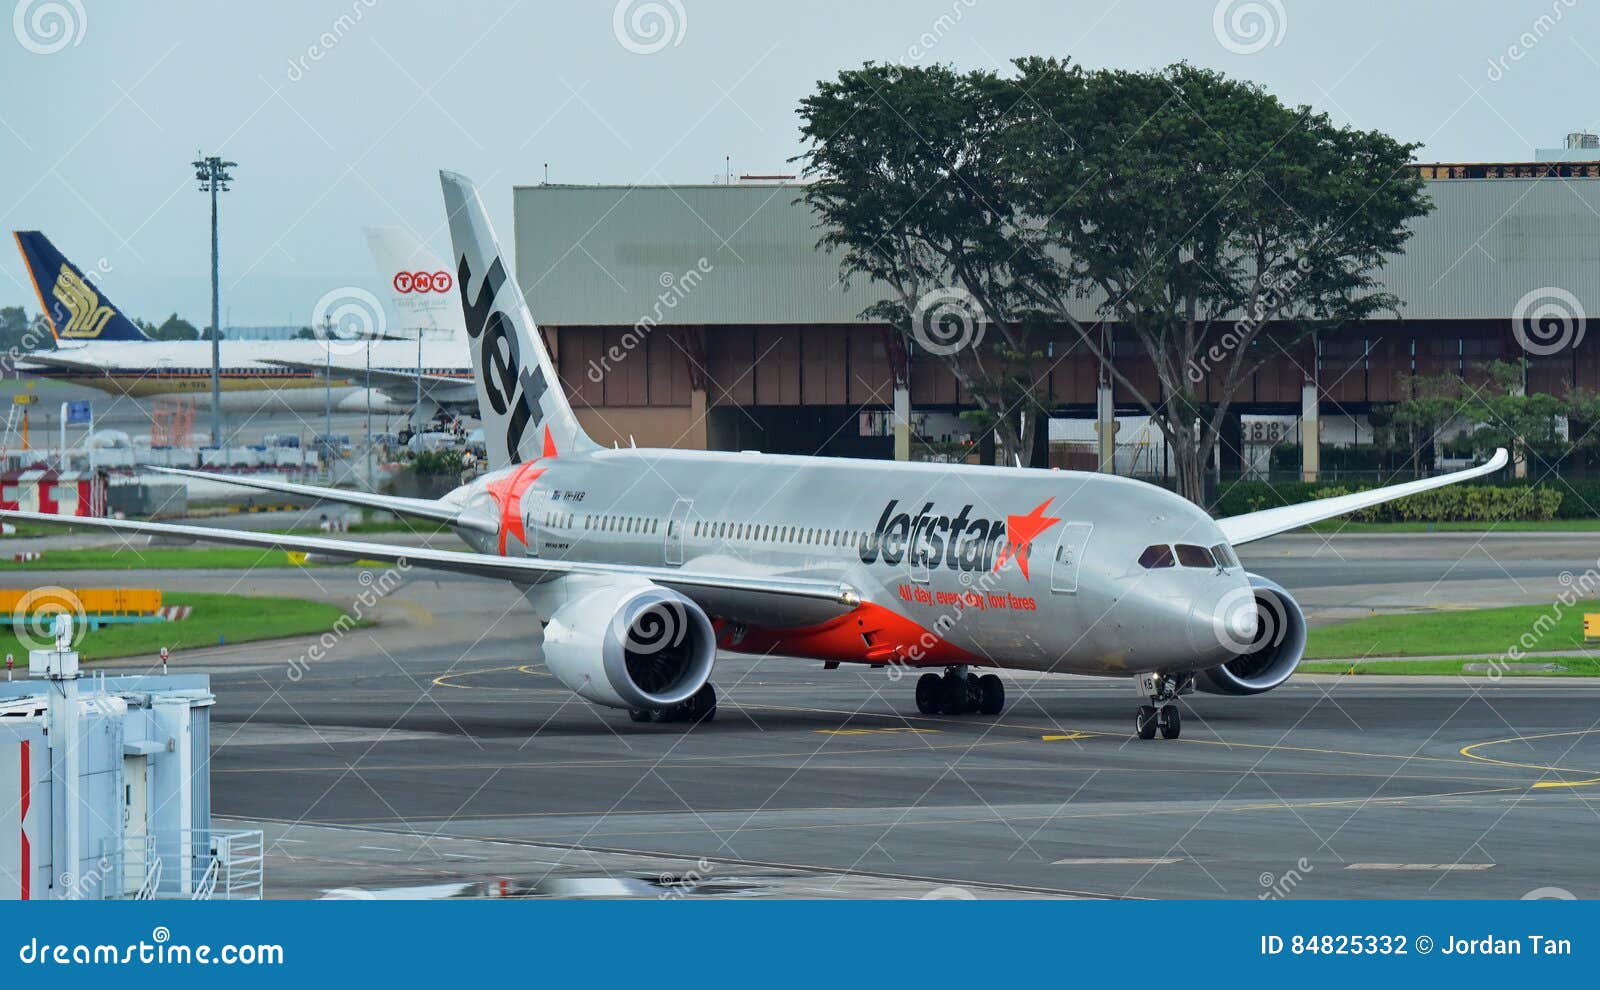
(418, 508)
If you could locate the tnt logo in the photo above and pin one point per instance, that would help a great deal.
(408, 282)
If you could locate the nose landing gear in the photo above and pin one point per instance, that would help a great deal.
(960, 692)
(1161, 689)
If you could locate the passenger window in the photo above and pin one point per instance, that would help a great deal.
(1159, 555)
(1190, 555)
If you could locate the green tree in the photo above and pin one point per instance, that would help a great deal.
(1200, 217)
(910, 180)
(1213, 224)
(1499, 413)
(174, 327)
(13, 326)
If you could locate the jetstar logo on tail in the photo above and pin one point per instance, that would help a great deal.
(960, 543)
(513, 390)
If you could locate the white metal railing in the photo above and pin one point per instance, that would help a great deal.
(195, 864)
(152, 880)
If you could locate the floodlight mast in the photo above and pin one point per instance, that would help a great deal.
(213, 176)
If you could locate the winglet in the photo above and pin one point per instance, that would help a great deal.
(1269, 522)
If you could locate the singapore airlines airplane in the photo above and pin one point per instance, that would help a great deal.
(96, 345)
(642, 564)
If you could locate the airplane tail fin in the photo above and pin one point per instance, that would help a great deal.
(75, 307)
(521, 402)
(421, 286)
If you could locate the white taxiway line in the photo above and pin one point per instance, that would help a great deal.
(1437, 867)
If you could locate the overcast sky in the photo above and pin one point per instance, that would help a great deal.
(336, 125)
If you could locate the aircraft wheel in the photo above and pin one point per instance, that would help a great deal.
(1169, 722)
(928, 694)
(1144, 724)
(991, 695)
(702, 707)
(641, 714)
(953, 695)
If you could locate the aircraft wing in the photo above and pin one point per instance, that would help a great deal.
(421, 508)
(398, 385)
(1269, 522)
(520, 570)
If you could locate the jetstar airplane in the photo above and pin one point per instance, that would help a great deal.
(642, 564)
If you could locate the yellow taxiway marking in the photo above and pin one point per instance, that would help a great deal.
(873, 732)
(1469, 753)
(1068, 736)
(419, 615)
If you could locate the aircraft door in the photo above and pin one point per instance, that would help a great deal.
(677, 523)
(1068, 557)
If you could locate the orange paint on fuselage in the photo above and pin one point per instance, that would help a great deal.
(869, 634)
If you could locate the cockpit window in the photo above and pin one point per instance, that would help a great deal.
(1190, 555)
(1159, 555)
(1226, 558)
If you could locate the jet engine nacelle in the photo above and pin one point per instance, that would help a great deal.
(631, 645)
(1266, 630)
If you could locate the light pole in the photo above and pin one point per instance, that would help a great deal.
(212, 173)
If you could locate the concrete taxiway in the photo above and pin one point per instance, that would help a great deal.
(433, 756)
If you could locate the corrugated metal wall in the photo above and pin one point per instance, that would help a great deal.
(614, 255)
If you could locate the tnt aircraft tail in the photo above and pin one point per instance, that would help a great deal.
(521, 402)
(421, 287)
(74, 306)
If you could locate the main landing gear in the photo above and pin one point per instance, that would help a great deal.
(960, 692)
(1161, 689)
(701, 707)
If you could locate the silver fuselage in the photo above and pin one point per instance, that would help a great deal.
(935, 546)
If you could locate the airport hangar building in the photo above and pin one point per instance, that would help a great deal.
(706, 316)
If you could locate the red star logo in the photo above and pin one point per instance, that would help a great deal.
(507, 493)
(1020, 534)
